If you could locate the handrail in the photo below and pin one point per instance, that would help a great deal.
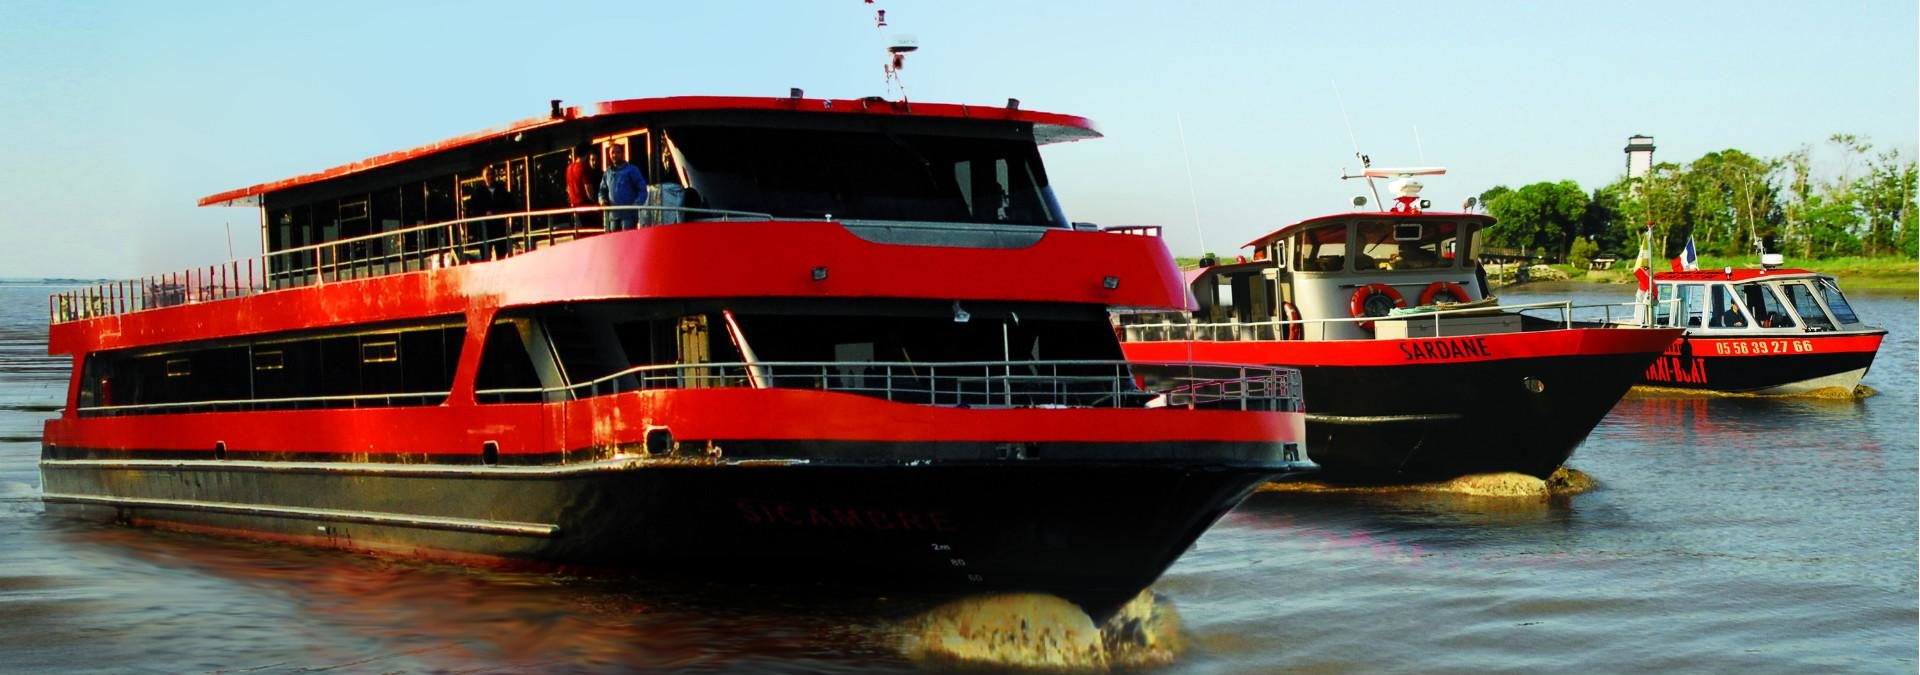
(1140, 332)
(370, 255)
(982, 384)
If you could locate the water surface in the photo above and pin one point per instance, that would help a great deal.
(1771, 535)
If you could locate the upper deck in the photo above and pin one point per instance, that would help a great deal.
(755, 169)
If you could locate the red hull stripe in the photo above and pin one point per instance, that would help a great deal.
(1065, 127)
(1462, 349)
(695, 414)
(693, 260)
(1803, 343)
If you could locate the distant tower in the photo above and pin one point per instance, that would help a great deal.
(1639, 156)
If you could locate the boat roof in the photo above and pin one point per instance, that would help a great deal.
(1746, 274)
(1047, 128)
(1285, 230)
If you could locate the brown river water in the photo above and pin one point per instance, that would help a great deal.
(1758, 535)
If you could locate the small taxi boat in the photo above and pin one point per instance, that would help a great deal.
(1765, 331)
(1414, 371)
(864, 346)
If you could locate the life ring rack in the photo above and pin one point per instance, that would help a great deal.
(1358, 305)
(1447, 288)
(1294, 330)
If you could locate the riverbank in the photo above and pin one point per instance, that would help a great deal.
(1900, 275)
(1855, 273)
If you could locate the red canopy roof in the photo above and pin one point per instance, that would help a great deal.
(1048, 128)
(1746, 274)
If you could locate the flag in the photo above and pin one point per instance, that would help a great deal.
(1686, 261)
(1646, 280)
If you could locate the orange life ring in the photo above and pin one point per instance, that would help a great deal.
(1295, 330)
(1361, 298)
(1438, 288)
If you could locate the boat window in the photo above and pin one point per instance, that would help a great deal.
(1724, 310)
(1662, 308)
(505, 363)
(1404, 245)
(387, 367)
(1837, 302)
(1692, 303)
(863, 175)
(1765, 306)
(1321, 249)
(1807, 307)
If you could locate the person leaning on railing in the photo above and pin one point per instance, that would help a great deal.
(622, 186)
(583, 184)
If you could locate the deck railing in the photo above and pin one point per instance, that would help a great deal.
(1569, 316)
(969, 384)
(455, 242)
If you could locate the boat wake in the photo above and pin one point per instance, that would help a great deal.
(1858, 392)
(1565, 481)
(1033, 631)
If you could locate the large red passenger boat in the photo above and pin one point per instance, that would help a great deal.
(846, 340)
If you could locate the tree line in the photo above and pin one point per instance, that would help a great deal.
(1730, 202)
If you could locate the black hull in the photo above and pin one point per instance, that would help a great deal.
(1777, 374)
(1094, 532)
(1415, 422)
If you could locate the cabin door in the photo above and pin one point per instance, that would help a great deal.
(694, 350)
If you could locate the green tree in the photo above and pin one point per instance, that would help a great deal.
(1734, 201)
(1541, 216)
(1885, 199)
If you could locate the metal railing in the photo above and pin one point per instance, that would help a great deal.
(421, 247)
(968, 384)
(1569, 316)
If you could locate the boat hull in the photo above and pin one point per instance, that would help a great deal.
(1427, 409)
(1788, 364)
(1094, 532)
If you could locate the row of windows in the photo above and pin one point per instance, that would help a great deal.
(535, 355)
(408, 366)
(1754, 305)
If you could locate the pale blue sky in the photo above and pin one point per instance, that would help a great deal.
(115, 117)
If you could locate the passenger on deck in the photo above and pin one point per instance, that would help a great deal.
(667, 194)
(489, 198)
(583, 186)
(622, 186)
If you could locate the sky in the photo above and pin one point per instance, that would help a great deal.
(116, 117)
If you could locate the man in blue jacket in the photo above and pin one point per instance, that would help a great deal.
(622, 186)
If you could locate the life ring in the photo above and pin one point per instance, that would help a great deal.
(1443, 288)
(1295, 330)
(1366, 297)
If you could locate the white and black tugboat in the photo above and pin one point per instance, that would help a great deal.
(1415, 371)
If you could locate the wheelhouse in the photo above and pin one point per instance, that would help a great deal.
(1314, 272)
(1767, 300)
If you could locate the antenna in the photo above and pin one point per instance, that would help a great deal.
(1364, 160)
(897, 50)
(229, 240)
(1418, 145)
(1191, 195)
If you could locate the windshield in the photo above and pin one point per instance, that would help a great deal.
(1411, 245)
(866, 175)
(1806, 306)
(1842, 311)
